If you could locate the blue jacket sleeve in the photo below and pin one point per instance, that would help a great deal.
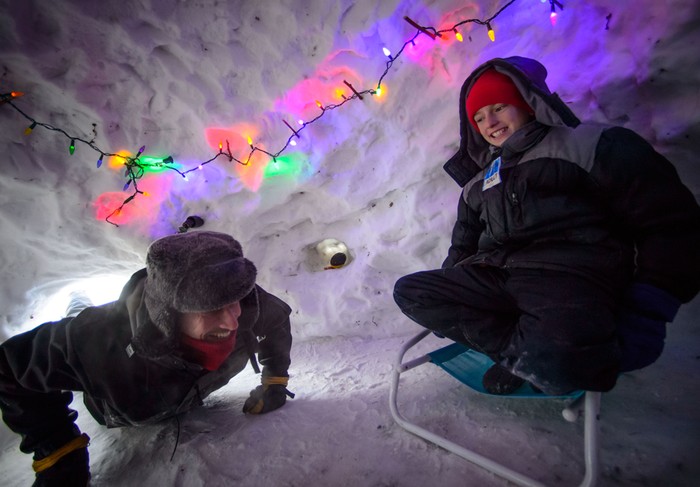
(651, 207)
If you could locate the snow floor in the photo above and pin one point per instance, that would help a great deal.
(338, 431)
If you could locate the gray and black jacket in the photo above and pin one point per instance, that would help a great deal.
(584, 198)
(128, 371)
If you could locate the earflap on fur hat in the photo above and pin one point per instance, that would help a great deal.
(194, 272)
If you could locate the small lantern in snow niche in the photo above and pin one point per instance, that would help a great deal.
(334, 253)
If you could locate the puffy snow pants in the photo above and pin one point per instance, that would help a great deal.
(554, 329)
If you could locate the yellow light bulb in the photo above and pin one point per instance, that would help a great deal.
(458, 36)
(250, 141)
(492, 34)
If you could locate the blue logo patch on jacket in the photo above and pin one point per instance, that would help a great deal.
(493, 174)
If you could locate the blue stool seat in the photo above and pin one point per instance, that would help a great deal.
(469, 366)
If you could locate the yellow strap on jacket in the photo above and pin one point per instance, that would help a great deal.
(280, 381)
(81, 441)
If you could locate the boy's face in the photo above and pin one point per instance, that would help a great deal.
(213, 326)
(498, 122)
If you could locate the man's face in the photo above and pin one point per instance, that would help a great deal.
(212, 326)
(498, 122)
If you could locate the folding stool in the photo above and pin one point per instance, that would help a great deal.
(469, 366)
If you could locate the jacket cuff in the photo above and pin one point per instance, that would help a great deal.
(269, 371)
(56, 441)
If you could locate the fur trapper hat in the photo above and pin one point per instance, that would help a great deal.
(194, 272)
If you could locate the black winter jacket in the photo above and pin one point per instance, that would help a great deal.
(124, 381)
(594, 200)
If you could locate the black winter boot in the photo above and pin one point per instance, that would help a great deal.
(498, 380)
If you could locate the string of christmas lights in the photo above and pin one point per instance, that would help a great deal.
(136, 168)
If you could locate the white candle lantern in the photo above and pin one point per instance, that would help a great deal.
(334, 253)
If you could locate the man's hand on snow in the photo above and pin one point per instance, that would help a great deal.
(271, 395)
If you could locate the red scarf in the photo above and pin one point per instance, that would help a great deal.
(209, 355)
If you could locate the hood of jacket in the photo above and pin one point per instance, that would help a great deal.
(148, 339)
(529, 77)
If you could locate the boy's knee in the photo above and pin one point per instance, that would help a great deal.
(404, 291)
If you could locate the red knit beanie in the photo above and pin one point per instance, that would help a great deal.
(491, 88)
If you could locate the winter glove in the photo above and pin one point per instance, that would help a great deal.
(69, 466)
(272, 394)
(641, 325)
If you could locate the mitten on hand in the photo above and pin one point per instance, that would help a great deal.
(641, 325)
(272, 394)
(69, 466)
